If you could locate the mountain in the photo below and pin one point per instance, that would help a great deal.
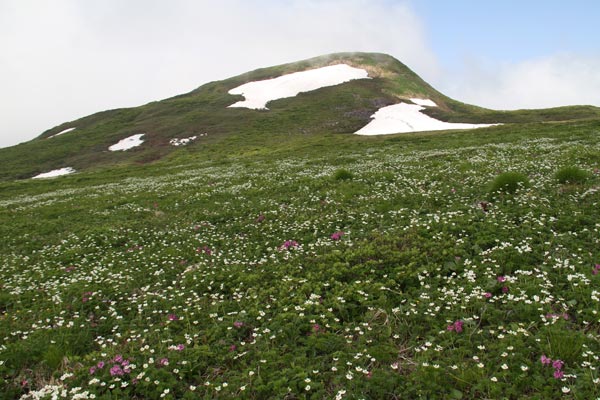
(204, 114)
(283, 256)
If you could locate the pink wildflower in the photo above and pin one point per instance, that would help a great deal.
(504, 289)
(92, 370)
(238, 324)
(450, 327)
(501, 278)
(337, 235)
(233, 347)
(558, 374)
(204, 250)
(116, 370)
(180, 347)
(558, 364)
(487, 295)
(316, 328)
(163, 361)
(545, 360)
(100, 364)
(458, 326)
(288, 244)
(172, 317)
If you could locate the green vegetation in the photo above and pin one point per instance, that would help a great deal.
(279, 257)
(342, 175)
(509, 182)
(572, 175)
(257, 275)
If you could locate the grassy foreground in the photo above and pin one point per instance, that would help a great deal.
(340, 267)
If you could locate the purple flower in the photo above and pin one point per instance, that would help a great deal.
(101, 364)
(558, 374)
(545, 360)
(118, 358)
(163, 361)
(596, 269)
(337, 235)
(116, 370)
(180, 347)
(504, 289)
(487, 295)
(238, 324)
(558, 364)
(204, 250)
(458, 326)
(92, 370)
(172, 317)
(288, 244)
(501, 278)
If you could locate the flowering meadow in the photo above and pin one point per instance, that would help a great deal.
(385, 269)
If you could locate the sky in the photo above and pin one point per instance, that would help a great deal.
(61, 60)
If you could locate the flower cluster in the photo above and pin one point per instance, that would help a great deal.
(556, 364)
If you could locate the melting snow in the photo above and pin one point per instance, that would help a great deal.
(424, 102)
(61, 132)
(182, 142)
(403, 118)
(127, 143)
(55, 173)
(258, 94)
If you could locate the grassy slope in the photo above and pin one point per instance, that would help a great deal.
(115, 262)
(341, 109)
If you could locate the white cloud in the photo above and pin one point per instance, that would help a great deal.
(558, 80)
(64, 59)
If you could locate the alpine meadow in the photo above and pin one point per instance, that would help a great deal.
(272, 235)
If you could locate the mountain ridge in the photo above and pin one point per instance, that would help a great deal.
(204, 113)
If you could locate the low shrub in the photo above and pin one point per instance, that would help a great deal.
(342, 175)
(509, 182)
(572, 175)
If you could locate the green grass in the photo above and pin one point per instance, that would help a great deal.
(224, 262)
(509, 182)
(572, 175)
(282, 257)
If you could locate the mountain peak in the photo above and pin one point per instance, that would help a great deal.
(324, 95)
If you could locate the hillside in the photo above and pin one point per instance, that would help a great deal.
(284, 257)
(204, 114)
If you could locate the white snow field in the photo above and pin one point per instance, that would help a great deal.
(424, 102)
(182, 142)
(55, 173)
(127, 143)
(257, 94)
(404, 118)
(61, 132)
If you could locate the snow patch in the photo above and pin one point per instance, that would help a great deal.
(128, 143)
(61, 132)
(182, 142)
(424, 102)
(404, 118)
(257, 94)
(55, 173)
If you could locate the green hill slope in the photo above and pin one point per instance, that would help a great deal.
(282, 257)
(340, 109)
